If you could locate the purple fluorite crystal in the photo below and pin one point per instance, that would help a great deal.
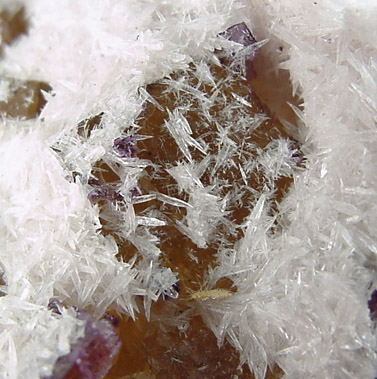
(126, 147)
(91, 357)
(100, 193)
(241, 34)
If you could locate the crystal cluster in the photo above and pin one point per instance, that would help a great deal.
(242, 58)
(210, 148)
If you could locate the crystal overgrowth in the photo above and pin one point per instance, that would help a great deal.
(209, 150)
(241, 57)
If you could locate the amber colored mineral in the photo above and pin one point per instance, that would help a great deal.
(22, 99)
(12, 25)
(175, 342)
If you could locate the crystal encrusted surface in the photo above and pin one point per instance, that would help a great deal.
(210, 149)
(203, 135)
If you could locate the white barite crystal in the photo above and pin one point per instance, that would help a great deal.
(302, 290)
(181, 131)
(4, 89)
(203, 217)
(206, 210)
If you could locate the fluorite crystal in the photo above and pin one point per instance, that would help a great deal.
(242, 60)
(103, 192)
(126, 147)
(12, 25)
(213, 105)
(91, 356)
(192, 352)
(239, 33)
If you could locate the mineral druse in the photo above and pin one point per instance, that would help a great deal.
(241, 59)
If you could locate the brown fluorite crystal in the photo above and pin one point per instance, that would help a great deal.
(12, 25)
(24, 99)
(192, 353)
(212, 102)
(231, 170)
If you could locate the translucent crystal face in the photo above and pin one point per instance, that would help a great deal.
(13, 25)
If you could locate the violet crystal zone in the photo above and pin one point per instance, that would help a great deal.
(126, 147)
(241, 34)
(91, 357)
